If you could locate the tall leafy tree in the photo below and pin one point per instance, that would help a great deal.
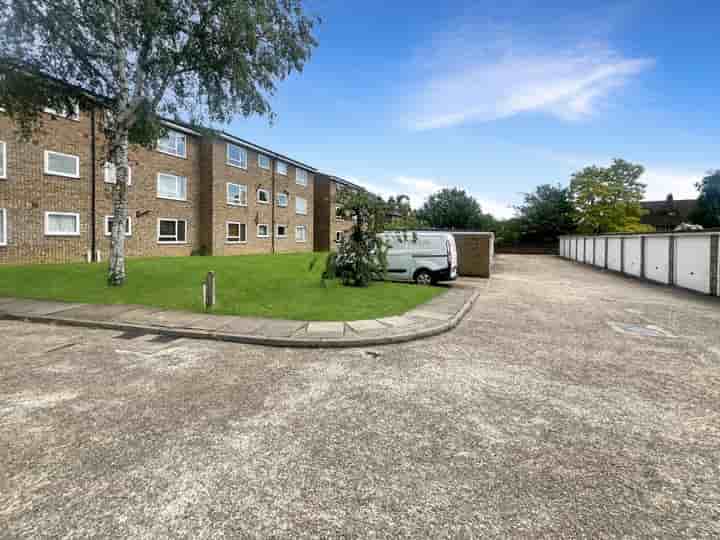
(607, 199)
(452, 209)
(210, 59)
(546, 213)
(707, 212)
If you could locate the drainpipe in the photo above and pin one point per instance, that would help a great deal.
(93, 189)
(273, 163)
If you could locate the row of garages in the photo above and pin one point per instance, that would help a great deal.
(687, 260)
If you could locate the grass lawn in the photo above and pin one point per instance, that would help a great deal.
(278, 286)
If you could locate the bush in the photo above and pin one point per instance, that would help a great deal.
(362, 256)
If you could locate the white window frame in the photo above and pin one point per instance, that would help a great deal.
(128, 228)
(240, 226)
(267, 228)
(269, 162)
(304, 229)
(60, 173)
(277, 230)
(3, 162)
(298, 181)
(243, 189)
(74, 115)
(287, 199)
(174, 242)
(169, 151)
(281, 167)
(269, 196)
(339, 236)
(3, 230)
(73, 214)
(110, 169)
(297, 210)
(177, 180)
(244, 163)
(341, 217)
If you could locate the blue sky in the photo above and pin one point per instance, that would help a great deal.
(498, 97)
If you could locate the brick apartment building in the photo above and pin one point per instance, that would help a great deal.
(215, 194)
(331, 222)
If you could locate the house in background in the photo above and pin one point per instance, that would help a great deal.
(331, 221)
(668, 214)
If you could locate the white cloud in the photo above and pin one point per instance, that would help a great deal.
(419, 189)
(660, 182)
(503, 79)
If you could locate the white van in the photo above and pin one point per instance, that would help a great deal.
(422, 257)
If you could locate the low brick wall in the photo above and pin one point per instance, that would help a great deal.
(476, 253)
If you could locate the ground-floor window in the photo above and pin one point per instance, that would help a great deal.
(300, 233)
(109, 222)
(236, 233)
(263, 230)
(3, 227)
(62, 224)
(281, 231)
(338, 236)
(172, 231)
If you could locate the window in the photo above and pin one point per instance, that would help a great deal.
(173, 143)
(281, 167)
(237, 194)
(108, 226)
(110, 173)
(62, 224)
(74, 114)
(300, 206)
(338, 236)
(170, 186)
(3, 160)
(280, 231)
(282, 199)
(339, 213)
(263, 196)
(301, 177)
(236, 233)
(263, 230)
(300, 233)
(263, 161)
(3, 227)
(58, 164)
(172, 231)
(236, 156)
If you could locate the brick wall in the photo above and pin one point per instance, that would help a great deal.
(255, 213)
(326, 223)
(145, 207)
(27, 193)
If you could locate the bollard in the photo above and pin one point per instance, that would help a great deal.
(204, 296)
(210, 289)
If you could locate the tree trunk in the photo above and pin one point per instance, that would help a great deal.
(116, 273)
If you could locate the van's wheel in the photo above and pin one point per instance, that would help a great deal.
(423, 277)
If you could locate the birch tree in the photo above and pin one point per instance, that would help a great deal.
(200, 60)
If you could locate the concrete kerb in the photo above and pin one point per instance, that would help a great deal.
(293, 342)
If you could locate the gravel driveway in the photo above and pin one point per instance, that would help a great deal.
(570, 403)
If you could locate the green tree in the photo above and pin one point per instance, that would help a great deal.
(607, 199)
(452, 209)
(546, 213)
(210, 59)
(361, 256)
(707, 212)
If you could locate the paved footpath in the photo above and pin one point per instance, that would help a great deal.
(437, 316)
